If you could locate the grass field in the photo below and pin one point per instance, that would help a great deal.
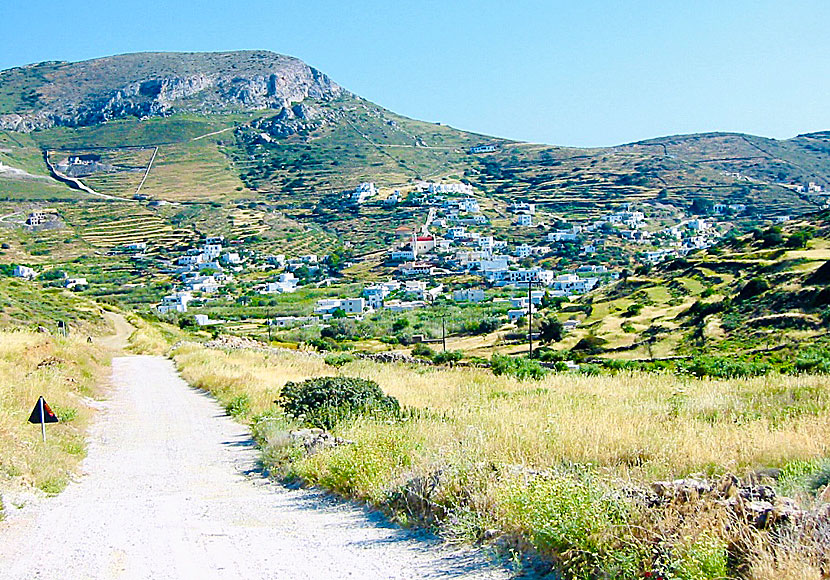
(541, 460)
(67, 373)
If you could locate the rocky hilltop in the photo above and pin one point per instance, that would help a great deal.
(66, 94)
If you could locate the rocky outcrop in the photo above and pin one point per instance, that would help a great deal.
(157, 84)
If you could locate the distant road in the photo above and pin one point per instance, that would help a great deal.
(171, 491)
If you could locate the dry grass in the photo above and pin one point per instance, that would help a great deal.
(152, 338)
(543, 462)
(66, 372)
(640, 426)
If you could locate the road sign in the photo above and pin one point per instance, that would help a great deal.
(42, 414)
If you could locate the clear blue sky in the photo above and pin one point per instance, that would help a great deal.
(569, 73)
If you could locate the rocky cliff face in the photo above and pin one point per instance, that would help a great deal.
(152, 84)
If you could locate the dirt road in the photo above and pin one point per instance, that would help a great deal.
(170, 491)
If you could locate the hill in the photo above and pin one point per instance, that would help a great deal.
(758, 297)
(253, 143)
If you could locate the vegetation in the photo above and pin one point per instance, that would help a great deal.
(67, 373)
(542, 462)
(326, 401)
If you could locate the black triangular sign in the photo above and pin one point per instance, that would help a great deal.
(48, 415)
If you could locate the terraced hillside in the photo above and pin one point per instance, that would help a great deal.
(111, 224)
(299, 146)
(765, 292)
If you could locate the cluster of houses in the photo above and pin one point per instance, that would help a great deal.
(205, 269)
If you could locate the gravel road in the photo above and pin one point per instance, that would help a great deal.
(170, 490)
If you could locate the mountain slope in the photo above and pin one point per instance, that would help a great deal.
(257, 128)
(144, 84)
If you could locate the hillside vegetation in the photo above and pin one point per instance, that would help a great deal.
(759, 297)
(256, 128)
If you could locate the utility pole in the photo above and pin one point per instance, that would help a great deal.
(529, 318)
(443, 334)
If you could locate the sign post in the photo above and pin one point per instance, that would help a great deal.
(42, 414)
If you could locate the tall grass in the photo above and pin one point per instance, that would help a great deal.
(65, 371)
(546, 462)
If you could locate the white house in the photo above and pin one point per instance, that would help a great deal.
(699, 224)
(515, 314)
(573, 284)
(212, 251)
(529, 208)
(521, 276)
(176, 302)
(523, 251)
(363, 192)
(191, 259)
(457, 232)
(285, 284)
(24, 272)
(231, 258)
(659, 255)
(562, 236)
(470, 205)
(206, 284)
(470, 295)
(592, 269)
(75, 282)
(375, 295)
(403, 306)
(524, 219)
(415, 268)
(347, 305)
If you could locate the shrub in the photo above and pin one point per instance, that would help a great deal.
(239, 406)
(423, 350)
(400, 324)
(323, 344)
(771, 237)
(487, 326)
(325, 401)
(754, 287)
(551, 330)
(449, 357)
(519, 367)
(339, 359)
(813, 360)
(799, 239)
(633, 309)
(820, 479)
(590, 344)
(722, 367)
(340, 329)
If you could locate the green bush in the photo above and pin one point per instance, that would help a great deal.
(633, 309)
(723, 367)
(339, 359)
(813, 360)
(325, 401)
(238, 406)
(519, 367)
(754, 287)
(423, 350)
(449, 357)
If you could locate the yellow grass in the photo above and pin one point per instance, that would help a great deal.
(65, 371)
(542, 462)
(637, 425)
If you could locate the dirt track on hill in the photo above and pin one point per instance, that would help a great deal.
(170, 490)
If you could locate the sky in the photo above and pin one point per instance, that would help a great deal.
(580, 73)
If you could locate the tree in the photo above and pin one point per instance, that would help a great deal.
(799, 239)
(701, 206)
(551, 330)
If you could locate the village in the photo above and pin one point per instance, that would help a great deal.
(453, 255)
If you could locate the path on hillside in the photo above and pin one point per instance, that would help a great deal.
(170, 491)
